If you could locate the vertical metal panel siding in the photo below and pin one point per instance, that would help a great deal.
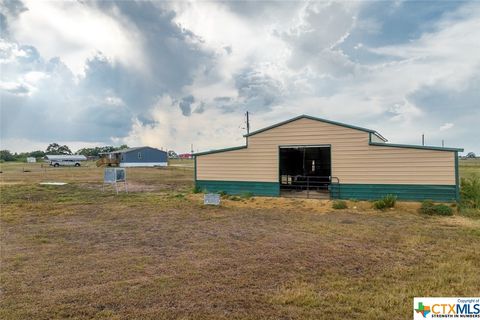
(270, 189)
(402, 191)
(353, 159)
(148, 155)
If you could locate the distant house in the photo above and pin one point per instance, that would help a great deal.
(135, 157)
(31, 159)
(185, 156)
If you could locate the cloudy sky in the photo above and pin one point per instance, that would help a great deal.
(168, 74)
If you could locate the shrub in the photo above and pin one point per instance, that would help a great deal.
(428, 207)
(443, 210)
(470, 192)
(196, 189)
(339, 204)
(467, 212)
(222, 193)
(386, 202)
(379, 205)
(246, 195)
(390, 200)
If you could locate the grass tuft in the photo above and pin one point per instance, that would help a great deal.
(470, 196)
(246, 195)
(386, 202)
(339, 204)
(299, 294)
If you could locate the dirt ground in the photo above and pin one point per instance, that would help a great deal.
(157, 252)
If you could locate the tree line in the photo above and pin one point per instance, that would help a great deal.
(57, 149)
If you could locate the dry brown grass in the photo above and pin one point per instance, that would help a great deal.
(75, 252)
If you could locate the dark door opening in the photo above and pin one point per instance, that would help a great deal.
(305, 171)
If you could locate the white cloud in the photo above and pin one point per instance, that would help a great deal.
(174, 131)
(75, 31)
(114, 101)
(16, 88)
(446, 126)
(10, 51)
(248, 42)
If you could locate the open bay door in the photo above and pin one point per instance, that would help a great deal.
(305, 171)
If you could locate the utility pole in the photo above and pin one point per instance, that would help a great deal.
(248, 127)
(191, 148)
(423, 139)
(443, 143)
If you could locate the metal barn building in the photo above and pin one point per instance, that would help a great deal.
(318, 158)
(135, 157)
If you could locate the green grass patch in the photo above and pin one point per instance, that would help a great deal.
(246, 195)
(428, 207)
(339, 204)
(196, 189)
(470, 192)
(386, 202)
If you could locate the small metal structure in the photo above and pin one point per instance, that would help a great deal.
(211, 199)
(113, 176)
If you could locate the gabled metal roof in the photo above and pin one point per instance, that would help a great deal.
(131, 149)
(304, 116)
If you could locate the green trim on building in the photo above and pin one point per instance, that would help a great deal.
(269, 189)
(316, 119)
(415, 192)
(457, 179)
(411, 146)
(219, 150)
(195, 168)
(414, 147)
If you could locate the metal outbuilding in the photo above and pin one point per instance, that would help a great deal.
(314, 157)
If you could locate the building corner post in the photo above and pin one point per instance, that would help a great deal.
(195, 170)
(457, 179)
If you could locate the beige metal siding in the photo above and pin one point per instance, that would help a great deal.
(353, 159)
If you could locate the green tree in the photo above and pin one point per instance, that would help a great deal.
(6, 155)
(55, 148)
(36, 154)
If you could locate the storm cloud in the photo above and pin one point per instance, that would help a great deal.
(169, 74)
